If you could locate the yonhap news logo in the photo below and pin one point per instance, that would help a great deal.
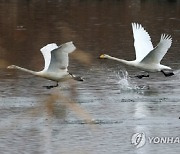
(140, 139)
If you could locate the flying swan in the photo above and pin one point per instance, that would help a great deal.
(56, 63)
(147, 58)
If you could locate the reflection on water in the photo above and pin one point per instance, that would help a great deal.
(100, 114)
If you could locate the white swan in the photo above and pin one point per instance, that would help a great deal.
(147, 57)
(56, 63)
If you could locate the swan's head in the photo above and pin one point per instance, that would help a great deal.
(104, 56)
(11, 67)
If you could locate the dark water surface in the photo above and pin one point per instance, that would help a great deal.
(101, 114)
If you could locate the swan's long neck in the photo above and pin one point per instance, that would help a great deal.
(120, 60)
(25, 70)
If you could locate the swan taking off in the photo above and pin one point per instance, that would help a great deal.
(56, 63)
(147, 57)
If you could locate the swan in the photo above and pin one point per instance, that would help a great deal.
(56, 63)
(147, 58)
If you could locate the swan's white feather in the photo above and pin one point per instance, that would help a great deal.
(46, 52)
(142, 41)
(147, 58)
(56, 63)
(155, 56)
(56, 57)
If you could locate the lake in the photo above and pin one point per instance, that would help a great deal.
(101, 114)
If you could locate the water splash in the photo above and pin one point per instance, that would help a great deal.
(125, 82)
(177, 72)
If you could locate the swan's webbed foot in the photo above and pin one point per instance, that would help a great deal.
(77, 78)
(167, 73)
(52, 86)
(140, 76)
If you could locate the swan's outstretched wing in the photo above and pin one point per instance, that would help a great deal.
(142, 41)
(59, 56)
(156, 55)
(46, 52)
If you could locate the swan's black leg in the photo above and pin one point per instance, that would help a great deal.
(167, 73)
(49, 87)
